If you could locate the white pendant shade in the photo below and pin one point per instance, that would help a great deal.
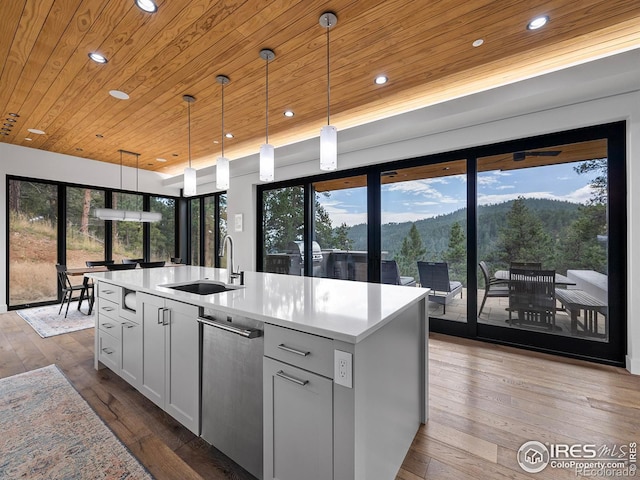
(127, 215)
(328, 148)
(222, 173)
(267, 161)
(189, 188)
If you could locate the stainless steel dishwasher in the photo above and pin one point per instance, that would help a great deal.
(232, 350)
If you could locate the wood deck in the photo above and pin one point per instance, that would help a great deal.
(485, 401)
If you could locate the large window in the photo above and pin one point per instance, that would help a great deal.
(33, 242)
(127, 237)
(163, 233)
(546, 208)
(522, 242)
(84, 232)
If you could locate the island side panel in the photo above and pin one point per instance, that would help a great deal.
(376, 421)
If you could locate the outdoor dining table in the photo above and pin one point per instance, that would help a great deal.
(561, 280)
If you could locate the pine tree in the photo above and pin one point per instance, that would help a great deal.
(456, 254)
(411, 251)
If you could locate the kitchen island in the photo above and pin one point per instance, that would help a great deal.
(344, 370)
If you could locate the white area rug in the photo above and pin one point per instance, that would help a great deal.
(47, 322)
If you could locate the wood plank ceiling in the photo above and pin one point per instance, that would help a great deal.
(424, 47)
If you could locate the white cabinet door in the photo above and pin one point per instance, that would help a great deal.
(153, 347)
(131, 353)
(182, 364)
(298, 423)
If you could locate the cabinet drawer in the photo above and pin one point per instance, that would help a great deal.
(109, 292)
(303, 350)
(109, 325)
(107, 308)
(109, 351)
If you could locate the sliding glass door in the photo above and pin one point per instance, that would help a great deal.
(423, 231)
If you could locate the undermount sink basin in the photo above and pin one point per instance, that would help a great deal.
(203, 287)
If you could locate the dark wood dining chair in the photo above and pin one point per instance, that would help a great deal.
(122, 266)
(152, 264)
(493, 287)
(132, 260)
(532, 297)
(86, 290)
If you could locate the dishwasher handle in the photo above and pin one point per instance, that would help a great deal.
(243, 332)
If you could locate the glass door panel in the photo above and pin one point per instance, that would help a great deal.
(84, 232)
(33, 242)
(545, 208)
(423, 231)
(163, 233)
(127, 236)
(283, 229)
(194, 203)
(340, 229)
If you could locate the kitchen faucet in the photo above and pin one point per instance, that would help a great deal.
(223, 248)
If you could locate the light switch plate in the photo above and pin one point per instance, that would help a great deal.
(343, 368)
(238, 222)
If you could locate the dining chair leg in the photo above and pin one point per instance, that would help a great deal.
(68, 303)
(482, 305)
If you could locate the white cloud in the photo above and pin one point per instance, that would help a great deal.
(401, 217)
(580, 195)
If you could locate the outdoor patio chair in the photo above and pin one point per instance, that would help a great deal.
(532, 296)
(390, 274)
(86, 290)
(493, 287)
(435, 275)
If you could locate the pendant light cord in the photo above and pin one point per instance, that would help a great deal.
(267, 103)
(189, 130)
(328, 77)
(120, 169)
(223, 119)
(137, 156)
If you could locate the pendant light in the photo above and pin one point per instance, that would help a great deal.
(127, 215)
(267, 156)
(222, 164)
(329, 133)
(189, 188)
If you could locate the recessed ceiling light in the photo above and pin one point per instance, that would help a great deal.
(216, 142)
(99, 135)
(10, 120)
(381, 80)
(537, 23)
(96, 57)
(4, 133)
(5, 129)
(478, 42)
(118, 94)
(28, 139)
(8, 124)
(35, 130)
(14, 115)
(289, 113)
(161, 159)
(147, 5)
(229, 135)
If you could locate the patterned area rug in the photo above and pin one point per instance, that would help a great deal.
(47, 322)
(50, 432)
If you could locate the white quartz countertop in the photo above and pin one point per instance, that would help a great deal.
(340, 309)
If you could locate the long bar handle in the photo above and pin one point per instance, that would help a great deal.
(282, 346)
(160, 320)
(243, 332)
(166, 316)
(281, 374)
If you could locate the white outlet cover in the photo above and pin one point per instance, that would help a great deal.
(238, 222)
(343, 368)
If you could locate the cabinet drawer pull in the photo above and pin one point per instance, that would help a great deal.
(108, 309)
(128, 325)
(282, 346)
(108, 292)
(108, 351)
(107, 325)
(281, 374)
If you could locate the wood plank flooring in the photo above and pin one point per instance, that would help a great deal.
(485, 402)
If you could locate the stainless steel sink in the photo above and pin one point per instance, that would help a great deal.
(202, 287)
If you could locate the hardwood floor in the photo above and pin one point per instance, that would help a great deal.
(485, 402)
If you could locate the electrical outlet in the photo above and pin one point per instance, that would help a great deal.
(343, 368)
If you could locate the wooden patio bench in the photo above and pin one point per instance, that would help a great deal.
(576, 300)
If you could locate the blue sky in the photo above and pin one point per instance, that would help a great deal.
(419, 199)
